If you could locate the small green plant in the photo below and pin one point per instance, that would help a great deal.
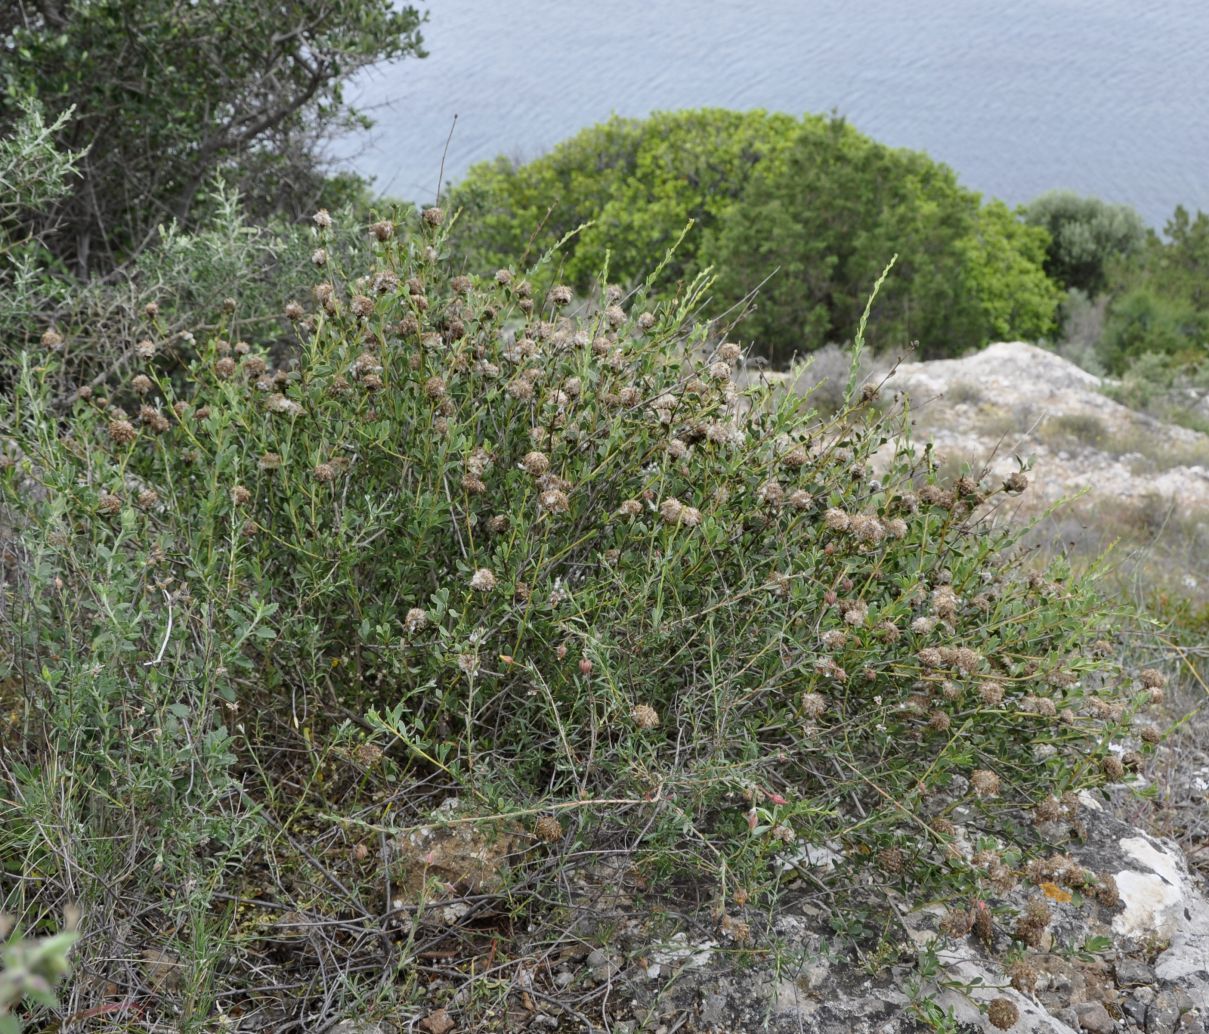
(30, 969)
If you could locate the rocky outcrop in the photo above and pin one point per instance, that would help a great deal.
(1017, 400)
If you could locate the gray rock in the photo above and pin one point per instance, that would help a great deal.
(1164, 1012)
(1133, 973)
(1093, 1017)
(1190, 1023)
(1135, 1009)
(596, 959)
(713, 1009)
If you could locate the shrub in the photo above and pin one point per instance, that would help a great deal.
(167, 94)
(805, 210)
(561, 564)
(1086, 235)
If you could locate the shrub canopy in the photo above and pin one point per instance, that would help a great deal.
(808, 210)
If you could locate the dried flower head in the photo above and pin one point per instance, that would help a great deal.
(536, 463)
(836, 519)
(324, 472)
(730, 352)
(814, 705)
(240, 495)
(225, 367)
(482, 580)
(548, 829)
(503, 277)
(145, 349)
(985, 783)
(554, 500)
(153, 419)
(383, 230)
(1002, 1013)
(52, 340)
(646, 320)
(147, 498)
(644, 716)
(109, 505)
(434, 216)
(294, 311)
(560, 294)
(322, 219)
(122, 431)
(1015, 482)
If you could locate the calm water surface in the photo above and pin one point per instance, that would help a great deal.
(1107, 97)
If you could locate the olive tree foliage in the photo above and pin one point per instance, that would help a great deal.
(168, 93)
(1086, 235)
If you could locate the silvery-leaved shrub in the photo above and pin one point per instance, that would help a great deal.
(573, 563)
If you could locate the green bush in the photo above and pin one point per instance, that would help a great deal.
(565, 564)
(807, 211)
(1086, 236)
(167, 94)
(1160, 300)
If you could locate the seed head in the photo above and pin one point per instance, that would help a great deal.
(240, 495)
(324, 472)
(152, 310)
(670, 510)
(319, 257)
(836, 519)
(293, 311)
(985, 783)
(644, 716)
(720, 371)
(615, 314)
(145, 349)
(630, 508)
(382, 231)
(1002, 1013)
(109, 504)
(554, 501)
(416, 619)
(1015, 482)
(363, 306)
(122, 432)
(153, 419)
(148, 498)
(52, 340)
(225, 367)
(482, 580)
(548, 829)
(322, 219)
(646, 320)
(536, 463)
(503, 277)
(1152, 679)
(814, 705)
(434, 216)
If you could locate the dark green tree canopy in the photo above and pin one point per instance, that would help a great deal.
(166, 93)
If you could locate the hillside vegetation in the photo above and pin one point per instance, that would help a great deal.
(375, 581)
